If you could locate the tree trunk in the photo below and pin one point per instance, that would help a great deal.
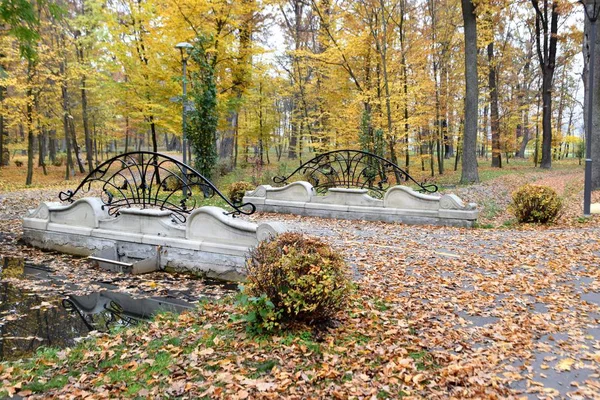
(470, 173)
(126, 134)
(30, 135)
(484, 132)
(42, 134)
(537, 132)
(153, 134)
(52, 142)
(235, 140)
(494, 114)
(546, 122)
(2, 159)
(595, 149)
(76, 146)
(546, 41)
(86, 128)
(84, 112)
(525, 138)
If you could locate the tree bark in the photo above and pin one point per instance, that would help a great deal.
(30, 135)
(595, 150)
(525, 107)
(2, 160)
(546, 34)
(494, 114)
(76, 145)
(84, 114)
(469, 173)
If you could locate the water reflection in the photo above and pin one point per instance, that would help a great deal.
(102, 310)
(28, 321)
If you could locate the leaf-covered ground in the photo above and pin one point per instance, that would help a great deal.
(438, 312)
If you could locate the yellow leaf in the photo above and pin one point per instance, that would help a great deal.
(565, 364)
(207, 352)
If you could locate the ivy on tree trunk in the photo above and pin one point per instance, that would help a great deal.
(202, 126)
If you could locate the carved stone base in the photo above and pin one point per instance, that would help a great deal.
(210, 243)
(400, 204)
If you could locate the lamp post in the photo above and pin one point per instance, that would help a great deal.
(592, 17)
(184, 48)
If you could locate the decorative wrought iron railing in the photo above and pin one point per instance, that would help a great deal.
(151, 180)
(353, 169)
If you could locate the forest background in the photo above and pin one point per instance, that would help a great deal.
(272, 82)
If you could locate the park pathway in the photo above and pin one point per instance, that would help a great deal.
(513, 308)
(518, 307)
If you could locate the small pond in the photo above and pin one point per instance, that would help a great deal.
(29, 319)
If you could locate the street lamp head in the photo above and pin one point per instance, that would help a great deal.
(184, 48)
(591, 8)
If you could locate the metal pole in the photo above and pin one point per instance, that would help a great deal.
(184, 139)
(184, 61)
(587, 191)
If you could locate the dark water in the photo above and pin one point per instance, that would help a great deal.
(29, 320)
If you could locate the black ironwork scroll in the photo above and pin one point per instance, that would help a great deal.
(353, 169)
(151, 180)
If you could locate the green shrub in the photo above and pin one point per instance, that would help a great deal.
(534, 203)
(293, 278)
(237, 190)
(172, 182)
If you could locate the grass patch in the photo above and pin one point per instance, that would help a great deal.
(261, 367)
(423, 360)
(56, 382)
(356, 337)
(477, 225)
(380, 305)
(491, 209)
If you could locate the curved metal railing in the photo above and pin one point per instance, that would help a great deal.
(151, 180)
(354, 169)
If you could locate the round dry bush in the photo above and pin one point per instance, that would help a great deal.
(534, 203)
(237, 191)
(303, 277)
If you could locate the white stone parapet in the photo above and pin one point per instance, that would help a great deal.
(400, 204)
(210, 243)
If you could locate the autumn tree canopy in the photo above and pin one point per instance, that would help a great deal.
(85, 78)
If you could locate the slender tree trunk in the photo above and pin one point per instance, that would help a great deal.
(30, 135)
(95, 144)
(406, 125)
(84, 113)
(42, 148)
(153, 136)
(293, 147)
(537, 133)
(76, 146)
(86, 128)
(3, 161)
(595, 148)
(52, 145)
(235, 139)
(495, 118)
(470, 173)
(525, 138)
(484, 132)
(546, 33)
(386, 86)
(431, 154)
(546, 161)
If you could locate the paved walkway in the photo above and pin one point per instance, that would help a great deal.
(511, 307)
(521, 307)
